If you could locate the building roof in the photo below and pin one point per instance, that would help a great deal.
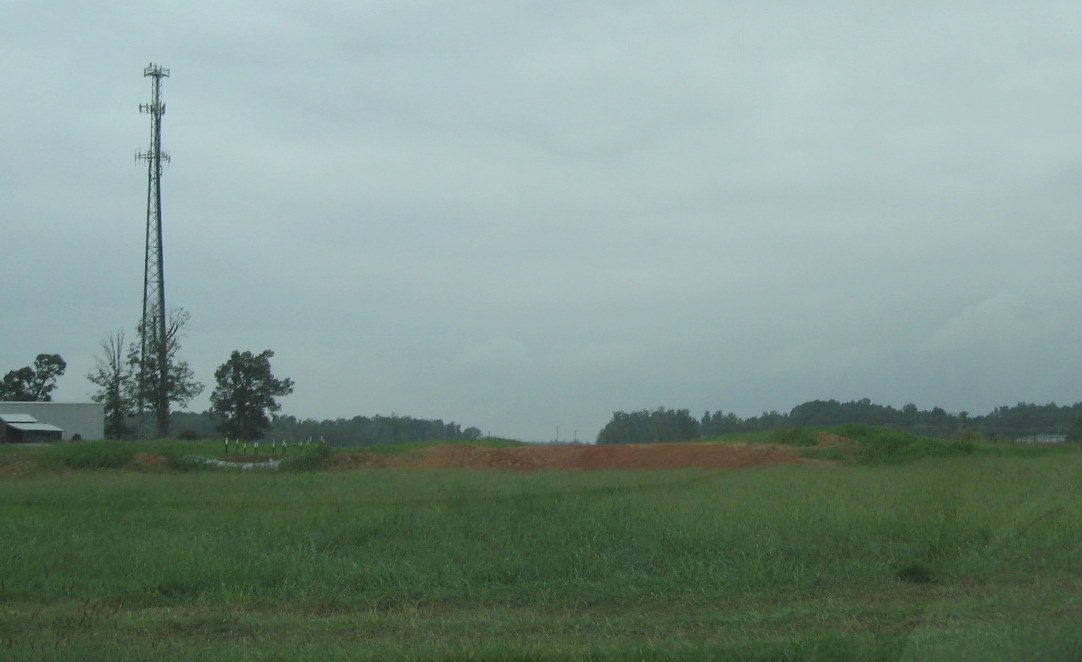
(17, 418)
(38, 403)
(34, 427)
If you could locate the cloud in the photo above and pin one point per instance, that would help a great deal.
(519, 218)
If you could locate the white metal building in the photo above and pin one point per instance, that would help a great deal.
(78, 420)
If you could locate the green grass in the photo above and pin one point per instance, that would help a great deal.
(311, 458)
(89, 455)
(799, 436)
(964, 557)
(868, 445)
(876, 445)
(54, 455)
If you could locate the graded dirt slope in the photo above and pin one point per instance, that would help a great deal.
(526, 458)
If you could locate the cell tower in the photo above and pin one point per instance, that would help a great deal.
(153, 342)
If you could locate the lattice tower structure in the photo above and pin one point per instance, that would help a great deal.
(153, 344)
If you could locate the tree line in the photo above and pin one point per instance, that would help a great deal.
(244, 402)
(1003, 423)
(131, 386)
(245, 399)
(355, 431)
(33, 383)
(134, 385)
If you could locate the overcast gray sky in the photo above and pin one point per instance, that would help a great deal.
(522, 215)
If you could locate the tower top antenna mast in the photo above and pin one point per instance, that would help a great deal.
(153, 349)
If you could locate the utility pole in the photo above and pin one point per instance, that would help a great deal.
(153, 349)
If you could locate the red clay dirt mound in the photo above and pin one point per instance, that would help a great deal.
(149, 461)
(527, 458)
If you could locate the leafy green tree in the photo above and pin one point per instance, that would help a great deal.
(366, 431)
(116, 383)
(1074, 431)
(647, 427)
(16, 385)
(245, 393)
(179, 387)
(33, 384)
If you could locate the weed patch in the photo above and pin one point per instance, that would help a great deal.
(879, 445)
(921, 560)
(312, 458)
(88, 455)
(916, 573)
(799, 436)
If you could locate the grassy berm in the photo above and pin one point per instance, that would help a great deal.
(117, 552)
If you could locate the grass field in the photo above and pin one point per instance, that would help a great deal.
(974, 557)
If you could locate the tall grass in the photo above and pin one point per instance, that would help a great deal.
(87, 455)
(362, 538)
(877, 445)
(691, 550)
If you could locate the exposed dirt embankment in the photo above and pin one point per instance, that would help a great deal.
(526, 458)
(16, 466)
(518, 458)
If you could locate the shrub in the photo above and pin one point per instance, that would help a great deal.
(313, 457)
(799, 436)
(887, 446)
(90, 455)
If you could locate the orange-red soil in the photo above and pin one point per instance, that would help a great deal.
(526, 458)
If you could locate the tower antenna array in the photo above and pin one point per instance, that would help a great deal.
(153, 343)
